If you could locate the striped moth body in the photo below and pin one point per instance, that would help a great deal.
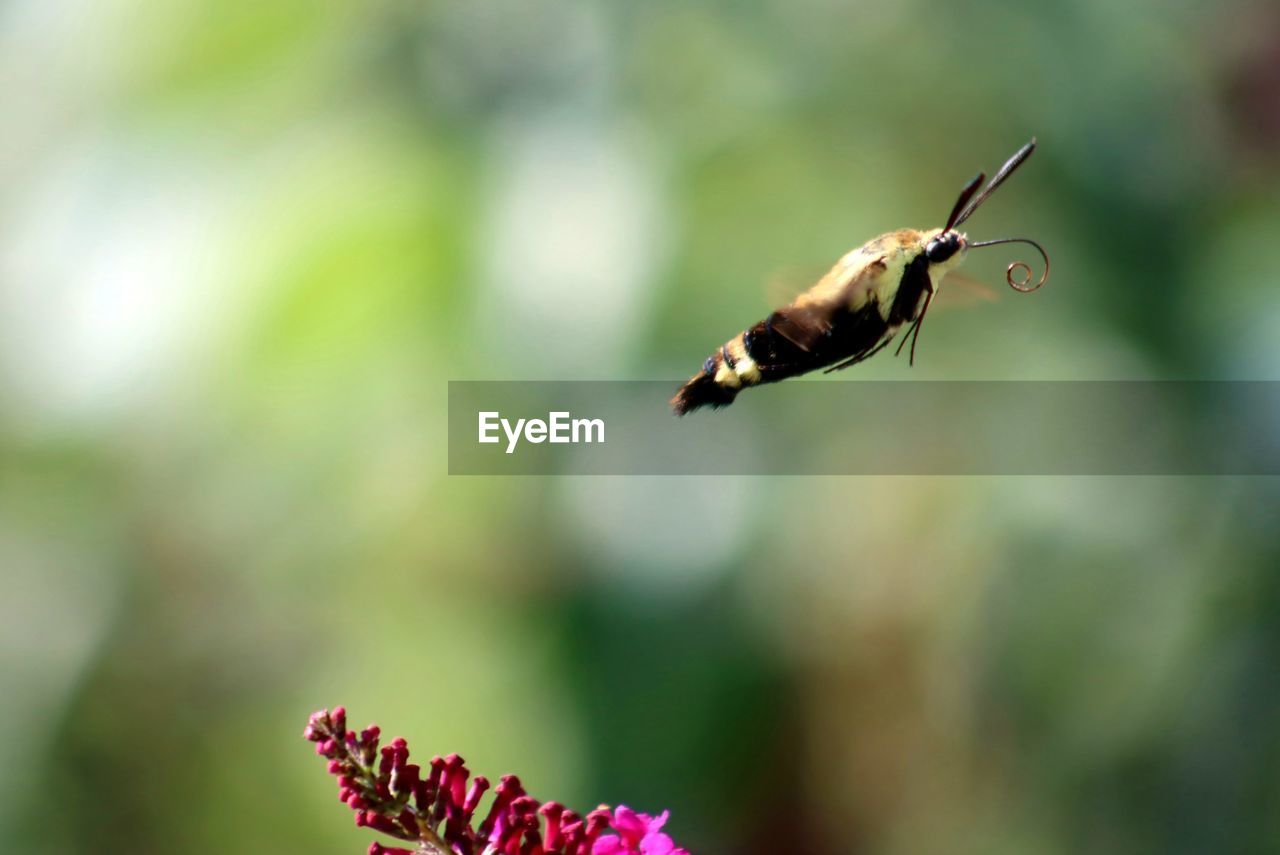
(853, 311)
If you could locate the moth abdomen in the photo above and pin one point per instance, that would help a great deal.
(723, 373)
(766, 353)
(702, 391)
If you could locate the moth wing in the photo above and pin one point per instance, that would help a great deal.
(960, 291)
(785, 284)
(811, 316)
(803, 327)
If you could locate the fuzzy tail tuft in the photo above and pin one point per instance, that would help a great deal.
(701, 391)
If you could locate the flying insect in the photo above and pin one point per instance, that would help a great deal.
(858, 307)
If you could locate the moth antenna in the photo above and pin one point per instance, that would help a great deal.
(965, 195)
(1023, 283)
(1019, 157)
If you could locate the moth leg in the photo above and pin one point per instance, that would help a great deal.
(858, 357)
(914, 332)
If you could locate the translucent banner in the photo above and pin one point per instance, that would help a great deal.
(869, 428)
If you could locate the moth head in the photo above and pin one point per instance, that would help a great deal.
(945, 246)
(948, 242)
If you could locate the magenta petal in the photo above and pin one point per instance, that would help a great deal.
(631, 825)
(607, 845)
(656, 844)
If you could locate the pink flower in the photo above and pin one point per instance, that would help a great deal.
(438, 808)
(637, 833)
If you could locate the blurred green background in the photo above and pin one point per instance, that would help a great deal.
(245, 244)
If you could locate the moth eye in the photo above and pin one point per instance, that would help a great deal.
(939, 250)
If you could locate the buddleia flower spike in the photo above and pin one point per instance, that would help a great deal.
(438, 810)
